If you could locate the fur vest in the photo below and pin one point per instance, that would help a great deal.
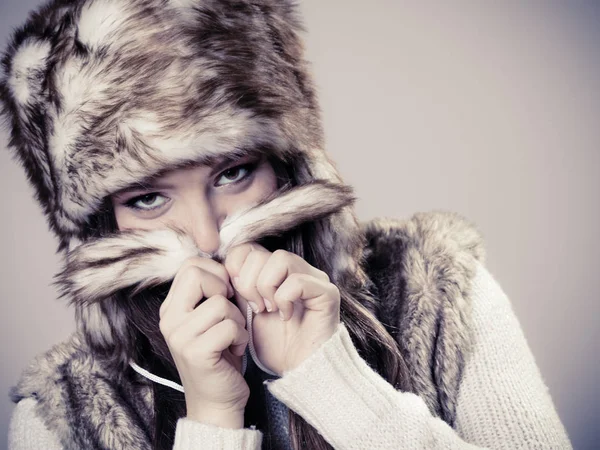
(421, 271)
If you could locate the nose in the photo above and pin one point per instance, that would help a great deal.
(204, 227)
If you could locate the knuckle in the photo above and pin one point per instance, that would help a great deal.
(228, 262)
(191, 261)
(296, 277)
(247, 247)
(323, 275)
(232, 260)
(220, 303)
(191, 272)
(164, 328)
(256, 257)
(206, 265)
(176, 342)
(222, 273)
(334, 291)
(219, 289)
(230, 325)
(281, 254)
(161, 310)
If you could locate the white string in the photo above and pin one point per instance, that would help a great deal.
(245, 356)
(251, 343)
(156, 378)
(178, 387)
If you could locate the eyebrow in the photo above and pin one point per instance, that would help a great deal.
(144, 186)
(217, 162)
(220, 162)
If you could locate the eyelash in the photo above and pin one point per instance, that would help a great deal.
(250, 167)
(131, 203)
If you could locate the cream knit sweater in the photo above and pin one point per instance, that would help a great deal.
(503, 402)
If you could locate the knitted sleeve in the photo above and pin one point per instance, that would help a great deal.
(27, 431)
(503, 402)
(191, 435)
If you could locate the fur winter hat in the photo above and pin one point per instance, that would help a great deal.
(103, 94)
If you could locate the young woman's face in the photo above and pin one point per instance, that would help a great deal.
(196, 199)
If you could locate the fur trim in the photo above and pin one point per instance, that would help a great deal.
(96, 270)
(84, 404)
(423, 268)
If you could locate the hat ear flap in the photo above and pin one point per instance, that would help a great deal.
(26, 66)
(104, 327)
(23, 91)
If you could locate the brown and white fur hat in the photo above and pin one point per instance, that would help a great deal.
(104, 94)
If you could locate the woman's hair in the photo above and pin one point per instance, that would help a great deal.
(149, 349)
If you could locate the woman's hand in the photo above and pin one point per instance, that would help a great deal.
(207, 342)
(282, 283)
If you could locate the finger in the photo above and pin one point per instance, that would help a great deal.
(194, 284)
(279, 266)
(225, 334)
(314, 293)
(214, 310)
(274, 272)
(234, 262)
(297, 264)
(211, 266)
(235, 258)
(245, 283)
(206, 264)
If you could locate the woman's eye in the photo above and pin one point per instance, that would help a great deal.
(147, 202)
(234, 174)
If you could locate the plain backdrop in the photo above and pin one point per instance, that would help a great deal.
(489, 110)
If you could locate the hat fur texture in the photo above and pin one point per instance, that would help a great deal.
(102, 95)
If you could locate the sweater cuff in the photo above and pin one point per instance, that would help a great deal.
(190, 434)
(334, 385)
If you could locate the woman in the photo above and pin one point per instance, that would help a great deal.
(177, 152)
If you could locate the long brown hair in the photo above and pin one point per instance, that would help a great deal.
(147, 346)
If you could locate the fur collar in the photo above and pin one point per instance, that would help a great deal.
(421, 270)
(84, 405)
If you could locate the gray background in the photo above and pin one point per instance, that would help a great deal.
(488, 110)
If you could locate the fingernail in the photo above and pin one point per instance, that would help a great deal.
(281, 315)
(254, 307)
(268, 304)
